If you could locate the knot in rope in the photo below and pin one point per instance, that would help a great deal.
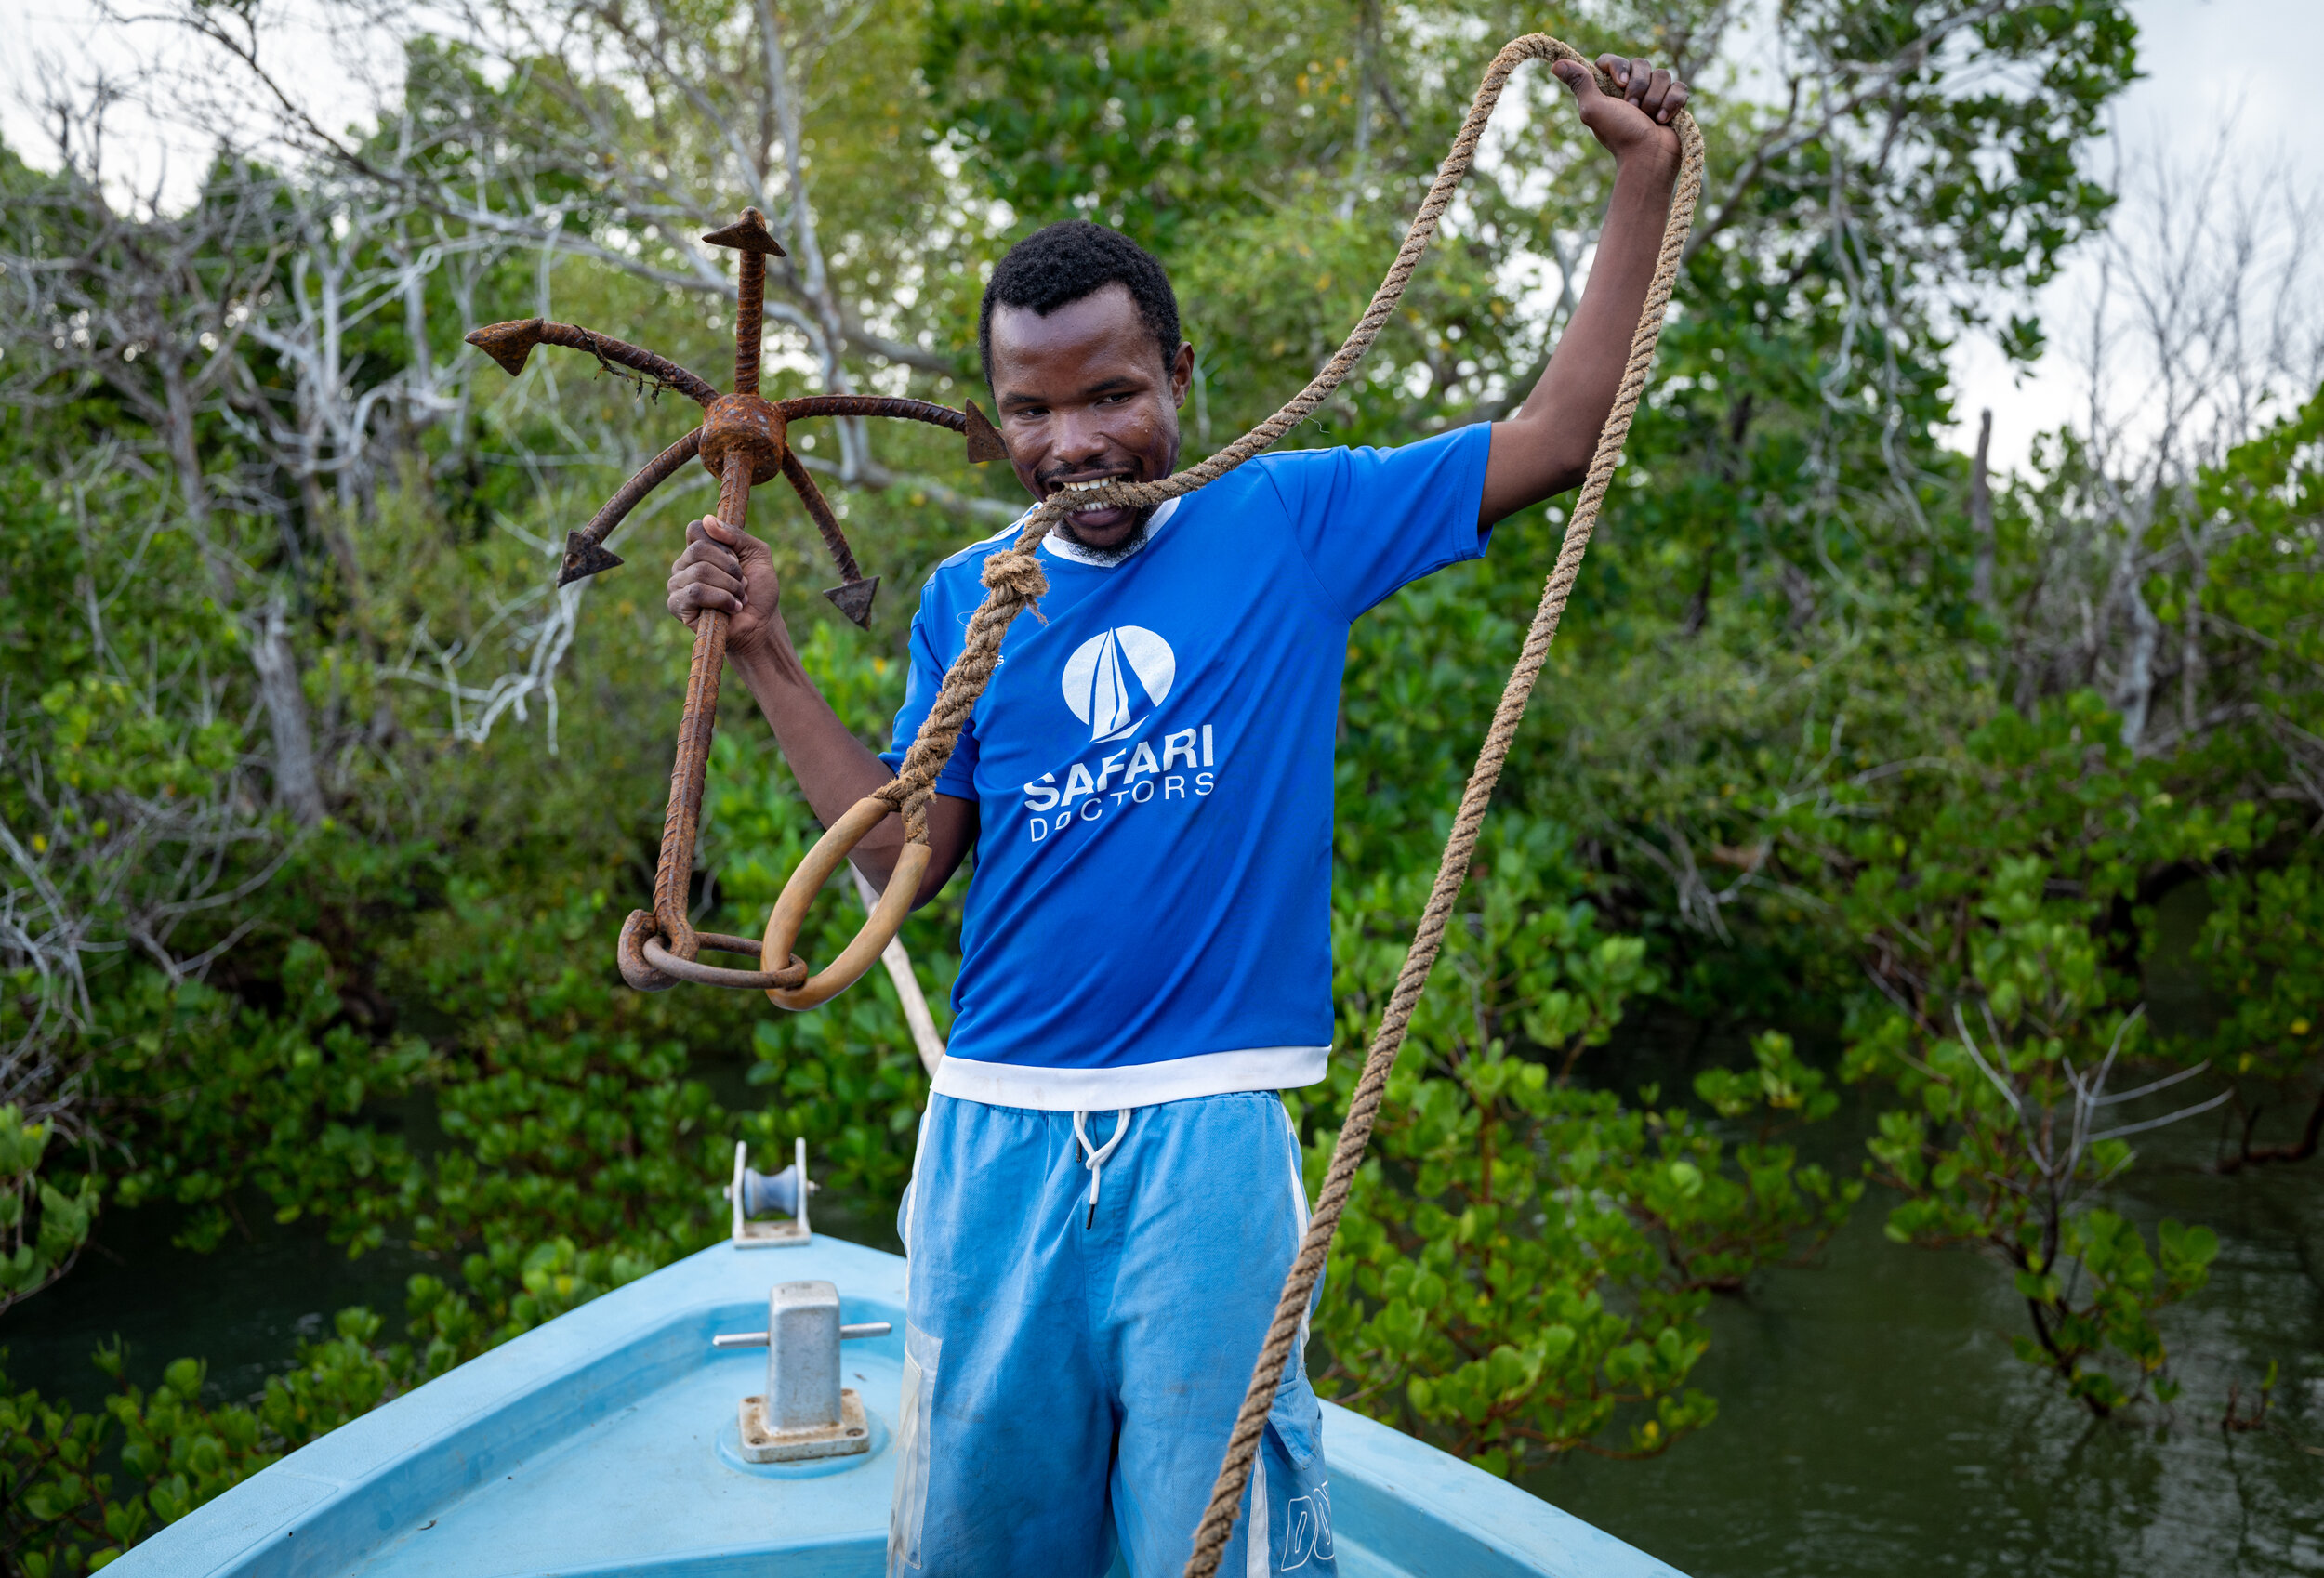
(908, 794)
(1015, 573)
(1014, 581)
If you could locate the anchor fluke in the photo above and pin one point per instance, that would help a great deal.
(748, 233)
(984, 438)
(854, 599)
(584, 557)
(507, 344)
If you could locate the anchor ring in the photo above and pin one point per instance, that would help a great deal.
(879, 927)
(648, 965)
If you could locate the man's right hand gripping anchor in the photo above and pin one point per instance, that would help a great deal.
(1108, 1191)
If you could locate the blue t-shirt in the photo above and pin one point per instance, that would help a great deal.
(1150, 914)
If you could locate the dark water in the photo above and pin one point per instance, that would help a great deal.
(244, 1308)
(1873, 1420)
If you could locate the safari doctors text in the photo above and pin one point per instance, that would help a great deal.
(1138, 774)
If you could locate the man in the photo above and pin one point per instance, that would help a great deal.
(1107, 1192)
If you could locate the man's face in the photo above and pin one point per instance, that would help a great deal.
(1085, 396)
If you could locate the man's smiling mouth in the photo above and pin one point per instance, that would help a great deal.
(1090, 514)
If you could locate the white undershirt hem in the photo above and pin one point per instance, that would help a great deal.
(1141, 1084)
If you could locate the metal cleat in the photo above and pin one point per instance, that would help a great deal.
(804, 1413)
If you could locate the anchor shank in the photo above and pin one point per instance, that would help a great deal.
(749, 313)
(682, 822)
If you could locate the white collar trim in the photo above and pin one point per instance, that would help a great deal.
(1080, 555)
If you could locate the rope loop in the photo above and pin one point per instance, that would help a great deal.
(798, 989)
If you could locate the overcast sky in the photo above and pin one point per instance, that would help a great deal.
(2248, 67)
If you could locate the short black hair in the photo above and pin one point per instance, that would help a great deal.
(1060, 264)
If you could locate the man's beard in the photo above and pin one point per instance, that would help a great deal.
(1119, 551)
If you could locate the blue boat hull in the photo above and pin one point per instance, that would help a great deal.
(605, 1443)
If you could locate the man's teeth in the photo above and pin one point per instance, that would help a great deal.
(1088, 487)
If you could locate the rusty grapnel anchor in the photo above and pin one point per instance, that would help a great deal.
(742, 442)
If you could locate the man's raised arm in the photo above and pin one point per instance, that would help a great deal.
(1545, 448)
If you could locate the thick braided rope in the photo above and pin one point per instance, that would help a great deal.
(1217, 1523)
(1014, 576)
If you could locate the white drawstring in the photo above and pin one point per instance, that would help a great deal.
(1095, 1159)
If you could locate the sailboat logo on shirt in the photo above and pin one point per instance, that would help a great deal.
(1115, 681)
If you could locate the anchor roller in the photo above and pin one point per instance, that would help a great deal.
(752, 1193)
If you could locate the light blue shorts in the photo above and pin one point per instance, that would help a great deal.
(1079, 1340)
